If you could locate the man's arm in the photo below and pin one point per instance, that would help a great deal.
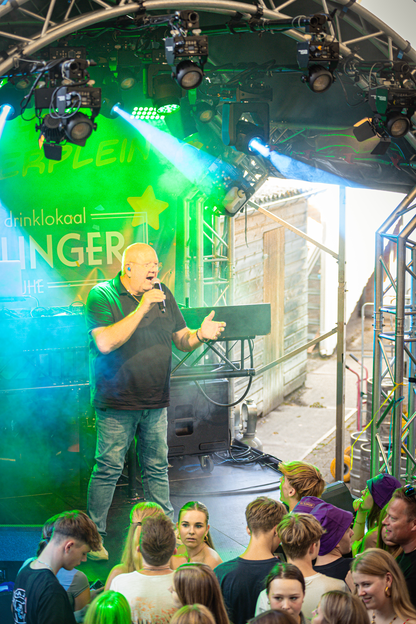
(111, 337)
(188, 339)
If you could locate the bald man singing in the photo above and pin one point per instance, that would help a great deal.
(131, 326)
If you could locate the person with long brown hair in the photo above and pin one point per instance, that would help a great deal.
(380, 584)
(338, 607)
(131, 558)
(193, 527)
(196, 583)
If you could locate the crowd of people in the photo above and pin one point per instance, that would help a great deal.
(306, 561)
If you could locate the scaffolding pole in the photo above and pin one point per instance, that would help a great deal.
(392, 232)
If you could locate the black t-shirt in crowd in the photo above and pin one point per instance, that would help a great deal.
(407, 564)
(38, 598)
(241, 581)
(137, 374)
(337, 569)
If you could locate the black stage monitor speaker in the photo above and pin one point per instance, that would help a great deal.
(339, 495)
(195, 425)
(243, 321)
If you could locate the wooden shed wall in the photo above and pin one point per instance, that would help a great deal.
(273, 266)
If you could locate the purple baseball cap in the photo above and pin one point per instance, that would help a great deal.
(335, 521)
(382, 487)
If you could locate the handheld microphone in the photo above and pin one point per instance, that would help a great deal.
(162, 304)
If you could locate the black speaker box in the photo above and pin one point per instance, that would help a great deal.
(195, 425)
(339, 495)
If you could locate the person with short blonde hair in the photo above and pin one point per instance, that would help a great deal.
(299, 479)
(337, 607)
(300, 536)
(298, 532)
(380, 584)
(241, 579)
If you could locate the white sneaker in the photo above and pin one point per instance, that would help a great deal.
(98, 555)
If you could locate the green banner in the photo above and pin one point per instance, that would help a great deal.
(68, 221)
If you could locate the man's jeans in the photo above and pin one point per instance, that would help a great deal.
(115, 432)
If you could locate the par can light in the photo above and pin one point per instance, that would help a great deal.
(318, 79)
(78, 128)
(397, 125)
(188, 74)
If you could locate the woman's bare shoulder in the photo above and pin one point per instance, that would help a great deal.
(120, 568)
(177, 560)
(212, 558)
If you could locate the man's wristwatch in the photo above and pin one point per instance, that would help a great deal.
(201, 339)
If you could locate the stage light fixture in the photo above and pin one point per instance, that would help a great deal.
(318, 59)
(110, 97)
(397, 124)
(244, 121)
(204, 112)
(166, 94)
(107, 106)
(126, 79)
(318, 78)
(146, 113)
(12, 97)
(65, 121)
(4, 112)
(188, 75)
(78, 128)
(393, 109)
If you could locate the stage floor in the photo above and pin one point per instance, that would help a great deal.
(226, 492)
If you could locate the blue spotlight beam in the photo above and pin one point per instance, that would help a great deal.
(193, 163)
(296, 170)
(5, 110)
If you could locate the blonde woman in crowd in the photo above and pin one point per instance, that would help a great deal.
(193, 527)
(131, 558)
(337, 607)
(380, 584)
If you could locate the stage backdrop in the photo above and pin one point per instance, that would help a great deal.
(68, 221)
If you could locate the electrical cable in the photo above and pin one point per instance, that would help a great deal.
(253, 489)
(247, 390)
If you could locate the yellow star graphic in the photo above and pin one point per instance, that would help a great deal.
(149, 204)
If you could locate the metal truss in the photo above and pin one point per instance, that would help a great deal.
(56, 20)
(394, 365)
